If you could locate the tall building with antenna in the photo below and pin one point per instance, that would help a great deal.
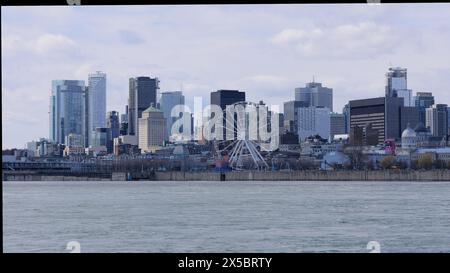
(314, 94)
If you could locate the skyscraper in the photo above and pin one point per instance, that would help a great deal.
(97, 102)
(315, 94)
(396, 85)
(423, 100)
(437, 120)
(124, 122)
(346, 113)
(152, 129)
(380, 114)
(112, 123)
(337, 124)
(291, 115)
(167, 102)
(142, 94)
(67, 109)
(409, 116)
(223, 98)
(313, 121)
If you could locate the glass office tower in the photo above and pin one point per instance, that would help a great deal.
(67, 109)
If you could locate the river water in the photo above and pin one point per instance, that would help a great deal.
(226, 216)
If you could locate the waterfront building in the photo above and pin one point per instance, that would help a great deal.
(44, 148)
(142, 93)
(152, 128)
(32, 148)
(441, 154)
(314, 94)
(337, 124)
(437, 120)
(67, 109)
(167, 102)
(126, 144)
(313, 121)
(96, 95)
(397, 85)
(74, 145)
(96, 150)
(75, 140)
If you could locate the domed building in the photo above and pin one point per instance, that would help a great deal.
(409, 138)
(423, 135)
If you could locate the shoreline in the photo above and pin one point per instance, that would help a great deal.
(316, 175)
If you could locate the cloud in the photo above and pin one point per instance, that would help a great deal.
(43, 44)
(292, 35)
(361, 40)
(52, 42)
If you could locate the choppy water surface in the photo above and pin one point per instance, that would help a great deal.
(226, 216)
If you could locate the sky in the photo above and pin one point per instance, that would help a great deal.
(265, 50)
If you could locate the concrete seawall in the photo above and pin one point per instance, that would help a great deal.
(388, 175)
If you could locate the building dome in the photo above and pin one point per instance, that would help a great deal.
(408, 132)
(409, 138)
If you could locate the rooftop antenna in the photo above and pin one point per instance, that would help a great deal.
(313, 78)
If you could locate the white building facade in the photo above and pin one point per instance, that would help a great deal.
(152, 130)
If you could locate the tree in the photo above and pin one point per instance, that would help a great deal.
(387, 162)
(425, 161)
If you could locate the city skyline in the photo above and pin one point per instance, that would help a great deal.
(64, 55)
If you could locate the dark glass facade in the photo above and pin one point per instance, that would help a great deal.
(142, 94)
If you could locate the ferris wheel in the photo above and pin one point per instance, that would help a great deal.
(245, 149)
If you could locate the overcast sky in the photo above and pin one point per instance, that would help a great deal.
(265, 50)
